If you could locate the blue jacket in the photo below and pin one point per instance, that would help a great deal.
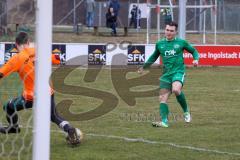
(115, 5)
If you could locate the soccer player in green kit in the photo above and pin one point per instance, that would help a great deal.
(170, 49)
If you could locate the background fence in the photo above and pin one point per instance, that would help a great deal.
(72, 12)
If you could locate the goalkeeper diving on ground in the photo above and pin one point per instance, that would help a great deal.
(23, 64)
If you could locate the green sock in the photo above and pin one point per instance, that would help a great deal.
(182, 101)
(164, 112)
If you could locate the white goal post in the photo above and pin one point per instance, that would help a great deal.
(41, 141)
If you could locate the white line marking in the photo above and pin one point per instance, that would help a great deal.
(236, 90)
(158, 142)
(163, 143)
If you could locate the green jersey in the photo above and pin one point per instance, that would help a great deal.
(171, 53)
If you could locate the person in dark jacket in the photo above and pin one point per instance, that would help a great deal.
(115, 5)
(111, 20)
(135, 17)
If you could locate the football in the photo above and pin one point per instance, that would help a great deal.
(79, 134)
(74, 137)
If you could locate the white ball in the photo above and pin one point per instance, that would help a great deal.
(79, 134)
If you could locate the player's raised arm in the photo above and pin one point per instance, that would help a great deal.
(150, 60)
(193, 51)
(12, 65)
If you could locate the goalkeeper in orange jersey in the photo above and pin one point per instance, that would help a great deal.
(23, 64)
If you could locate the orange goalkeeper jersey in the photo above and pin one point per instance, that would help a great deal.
(23, 63)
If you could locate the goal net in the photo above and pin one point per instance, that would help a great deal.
(20, 16)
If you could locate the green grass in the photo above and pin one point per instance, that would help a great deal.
(213, 96)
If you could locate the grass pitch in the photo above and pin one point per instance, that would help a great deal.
(125, 132)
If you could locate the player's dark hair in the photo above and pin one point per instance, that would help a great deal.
(173, 24)
(22, 38)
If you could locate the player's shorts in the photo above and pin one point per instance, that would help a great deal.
(166, 80)
(18, 103)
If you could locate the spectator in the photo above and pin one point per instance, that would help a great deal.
(90, 7)
(167, 15)
(135, 16)
(111, 20)
(115, 5)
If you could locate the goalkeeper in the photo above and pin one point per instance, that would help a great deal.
(23, 64)
(170, 49)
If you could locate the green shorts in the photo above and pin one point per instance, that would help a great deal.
(166, 80)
